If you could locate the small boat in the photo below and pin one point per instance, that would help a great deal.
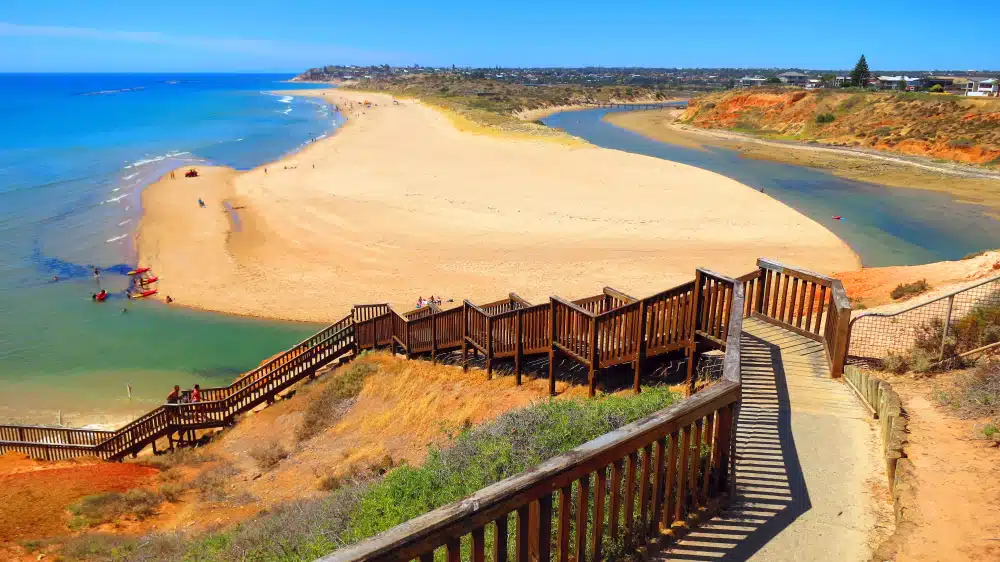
(101, 297)
(138, 271)
(838, 218)
(143, 294)
(149, 280)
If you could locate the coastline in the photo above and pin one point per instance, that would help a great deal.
(981, 187)
(399, 203)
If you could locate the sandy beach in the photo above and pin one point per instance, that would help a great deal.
(966, 183)
(400, 204)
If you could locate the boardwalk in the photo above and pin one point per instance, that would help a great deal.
(805, 453)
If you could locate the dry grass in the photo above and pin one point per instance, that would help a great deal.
(109, 507)
(976, 394)
(213, 483)
(331, 402)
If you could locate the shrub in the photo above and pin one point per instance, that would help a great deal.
(213, 484)
(824, 118)
(909, 289)
(268, 455)
(184, 456)
(327, 407)
(936, 88)
(109, 507)
(976, 393)
(172, 492)
(894, 363)
(992, 432)
(882, 131)
(961, 143)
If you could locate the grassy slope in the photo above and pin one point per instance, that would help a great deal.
(936, 126)
(376, 496)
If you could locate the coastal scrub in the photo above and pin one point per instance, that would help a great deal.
(365, 504)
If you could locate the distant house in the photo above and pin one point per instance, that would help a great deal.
(843, 81)
(751, 81)
(898, 83)
(982, 86)
(814, 83)
(793, 78)
(946, 82)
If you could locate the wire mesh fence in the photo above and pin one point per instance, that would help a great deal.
(940, 329)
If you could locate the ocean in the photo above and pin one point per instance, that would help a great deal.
(75, 152)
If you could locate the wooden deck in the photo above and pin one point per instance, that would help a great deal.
(799, 463)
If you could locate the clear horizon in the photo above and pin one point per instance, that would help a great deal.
(121, 37)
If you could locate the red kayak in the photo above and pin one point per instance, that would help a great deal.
(838, 217)
(144, 294)
(100, 297)
(149, 280)
(138, 271)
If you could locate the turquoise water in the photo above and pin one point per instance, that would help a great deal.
(883, 225)
(75, 151)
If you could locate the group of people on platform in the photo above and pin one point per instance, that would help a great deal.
(178, 396)
(422, 302)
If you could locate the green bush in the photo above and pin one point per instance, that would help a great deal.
(936, 88)
(961, 143)
(909, 289)
(824, 118)
(882, 131)
(359, 508)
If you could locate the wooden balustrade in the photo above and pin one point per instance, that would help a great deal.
(644, 477)
(669, 324)
(364, 312)
(53, 435)
(714, 294)
(246, 392)
(810, 304)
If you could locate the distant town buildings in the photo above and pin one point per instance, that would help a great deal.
(969, 83)
(794, 78)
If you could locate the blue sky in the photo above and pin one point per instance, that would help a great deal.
(254, 35)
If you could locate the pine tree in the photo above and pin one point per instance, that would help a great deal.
(860, 75)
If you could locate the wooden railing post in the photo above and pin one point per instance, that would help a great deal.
(640, 355)
(518, 344)
(465, 336)
(434, 339)
(489, 347)
(552, 347)
(838, 347)
(592, 376)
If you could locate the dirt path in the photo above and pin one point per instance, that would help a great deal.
(956, 514)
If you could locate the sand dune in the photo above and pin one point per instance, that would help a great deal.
(401, 204)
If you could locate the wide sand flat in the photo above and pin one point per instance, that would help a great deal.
(401, 204)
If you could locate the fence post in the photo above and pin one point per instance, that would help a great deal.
(519, 347)
(640, 353)
(433, 339)
(841, 332)
(592, 376)
(552, 347)
(465, 335)
(489, 347)
(947, 324)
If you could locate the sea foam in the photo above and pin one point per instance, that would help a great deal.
(116, 238)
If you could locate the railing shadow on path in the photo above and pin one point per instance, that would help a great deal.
(771, 491)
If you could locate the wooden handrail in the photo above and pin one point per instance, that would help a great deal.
(419, 537)
(573, 306)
